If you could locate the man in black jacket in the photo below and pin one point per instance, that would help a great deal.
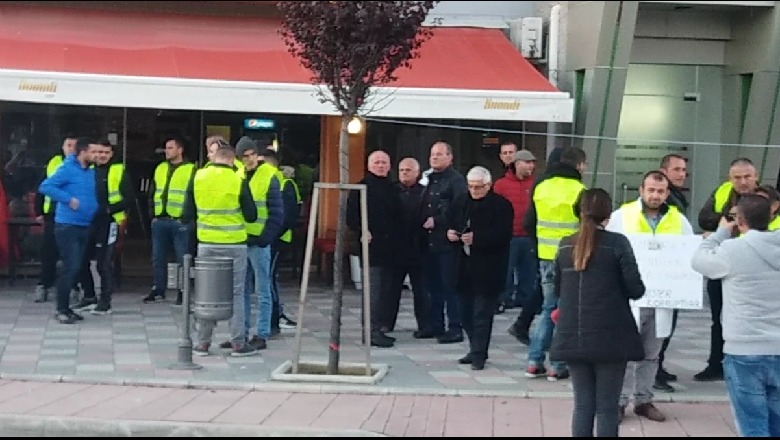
(481, 225)
(384, 230)
(445, 185)
(115, 195)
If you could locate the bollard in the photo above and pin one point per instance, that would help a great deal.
(184, 360)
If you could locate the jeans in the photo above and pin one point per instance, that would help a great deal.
(543, 332)
(103, 253)
(478, 309)
(715, 293)
(72, 241)
(438, 272)
(640, 376)
(396, 284)
(166, 234)
(277, 308)
(522, 267)
(753, 383)
(238, 253)
(258, 279)
(596, 396)
(49, 254)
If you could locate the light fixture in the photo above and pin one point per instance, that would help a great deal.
(275, 145)
(355, 126)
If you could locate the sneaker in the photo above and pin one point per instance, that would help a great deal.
(201, 350)
(287, 323)
(666, 376)
(258, 343)
(154, 297)
(64, 318)
(243, 351)
(662, 385)
(101, 309)
(85, 305)
(227, 345)
(650, 412)
(552, 376)
(41, 294)
(533, 372)
(76, 316)
(521, 336)
(709, 374)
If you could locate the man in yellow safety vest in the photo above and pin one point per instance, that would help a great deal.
(115, 196)
(648, 215)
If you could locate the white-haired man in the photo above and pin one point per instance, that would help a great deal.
(481, 223)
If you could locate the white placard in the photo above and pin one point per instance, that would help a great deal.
(665, 265)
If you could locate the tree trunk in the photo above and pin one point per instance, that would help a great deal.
(334, 348)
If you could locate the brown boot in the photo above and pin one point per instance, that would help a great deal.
(649, 411)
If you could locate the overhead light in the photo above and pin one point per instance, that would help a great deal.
(355, 126)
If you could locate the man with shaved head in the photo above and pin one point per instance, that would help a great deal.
(410, 256)
(383, 235)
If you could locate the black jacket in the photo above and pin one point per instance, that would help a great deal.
(678, 200)
(708, 218)
(413, 232)
(444, 187)
(595, 323)
(103, 217)
(555, 170)
(384, 209)
(490, 219)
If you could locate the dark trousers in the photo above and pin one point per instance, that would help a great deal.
(596, 398)
(278, 251)
(71, 240)
(379, 280)
(715, 292)
(103, 254)
(532, 306)
(661, 355)
(477, 310)
(167, 234)
(49, 255)
(438, 273)
(396, 285)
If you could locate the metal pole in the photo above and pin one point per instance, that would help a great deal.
(315, 202)
(366, 279)
(184, 361)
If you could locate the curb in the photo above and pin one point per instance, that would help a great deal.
(313, 388)
(12, 425)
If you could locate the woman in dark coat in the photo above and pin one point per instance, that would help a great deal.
(480, 226)
(596, 334)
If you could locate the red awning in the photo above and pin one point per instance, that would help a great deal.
(47, 54)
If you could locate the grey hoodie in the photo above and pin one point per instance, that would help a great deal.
(750, 269)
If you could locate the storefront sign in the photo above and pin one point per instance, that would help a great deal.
(49, 87)
(665, 265)
(493, 104)
(259, 124)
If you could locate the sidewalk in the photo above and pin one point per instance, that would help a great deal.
(137, 343)
(65, 409)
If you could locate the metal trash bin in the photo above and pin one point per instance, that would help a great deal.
(213, 298)
(174, 276)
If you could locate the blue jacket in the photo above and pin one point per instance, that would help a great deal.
(72, 181)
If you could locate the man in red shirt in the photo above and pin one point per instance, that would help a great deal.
(516, 186)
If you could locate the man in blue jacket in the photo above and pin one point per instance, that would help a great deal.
(72, 187)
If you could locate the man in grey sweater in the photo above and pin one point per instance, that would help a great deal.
(750, 270)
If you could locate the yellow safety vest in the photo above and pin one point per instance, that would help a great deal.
(258, 186)
(237, 164)
(722, 195)
(287, 236)
(115, 173)
(217, 191)
(554, 200)
(774, 225)
(634, 221)
(54, 164)
(176, 188)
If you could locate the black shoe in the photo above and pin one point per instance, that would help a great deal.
(509, 305)
(258, 343)
(500, 309)
(179, 299)
(478, 364)
(76, 316)
(709, 374)
(450, 338)
(380, 340)
(665, 376)
(662, 385)
(154, 296)
(520, 335)
(465, 360)
(102, 308)
(388, 336)
(64, 318)
(426, 334)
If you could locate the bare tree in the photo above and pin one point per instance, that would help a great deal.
(350, 47)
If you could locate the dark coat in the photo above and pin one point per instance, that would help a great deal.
(490, 219)
(413, 233)
(444, 187)
(384, 208)
(595, 323)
